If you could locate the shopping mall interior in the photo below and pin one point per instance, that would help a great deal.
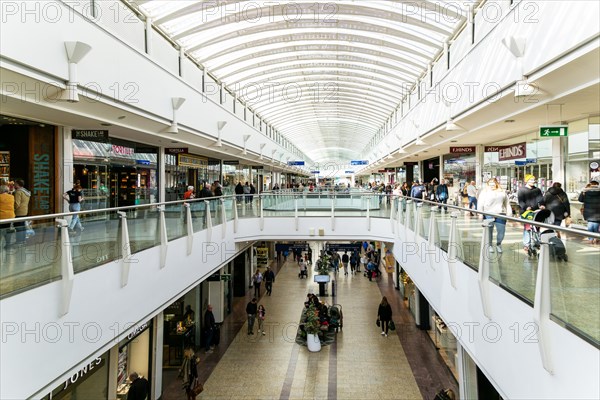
(160, 159)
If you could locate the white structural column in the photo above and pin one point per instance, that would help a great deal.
(479, 152)
(67, 163)
(559, 145)
(162, 192)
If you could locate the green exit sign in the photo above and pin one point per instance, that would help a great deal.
(554, 130)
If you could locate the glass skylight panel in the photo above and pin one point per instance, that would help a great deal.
(373, 51)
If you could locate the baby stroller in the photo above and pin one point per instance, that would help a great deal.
(537, 235)
(336, 318)
(303, 274)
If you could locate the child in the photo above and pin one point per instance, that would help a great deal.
(261, 318)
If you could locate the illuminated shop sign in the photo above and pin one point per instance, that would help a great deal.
(122, 150)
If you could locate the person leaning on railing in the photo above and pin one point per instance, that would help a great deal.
(590, 197)
(7, 210)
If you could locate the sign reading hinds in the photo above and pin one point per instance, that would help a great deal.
(462, 150)
(512, 152)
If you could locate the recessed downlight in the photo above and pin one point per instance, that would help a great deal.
(105, 124)
(453, 141)
(121, 117)
(509, 121)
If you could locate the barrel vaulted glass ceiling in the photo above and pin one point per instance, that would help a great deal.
(326, 74)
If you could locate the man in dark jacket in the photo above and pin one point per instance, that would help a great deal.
(530, 198)
(590, 197)
(441, 193)
(557, 201)
(138, 390)
(205, 192)
(251, 310)
(269, 279)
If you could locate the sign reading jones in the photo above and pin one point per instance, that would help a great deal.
(512, 152)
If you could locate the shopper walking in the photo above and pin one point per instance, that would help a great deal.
(261, 312)
(189, 372)
(74, 197)
(257, 279)
(441, 193)
(472, 195)
(384, 315)
(251, 310)
(494, 200)
(557, 201)
(22, 197)
(269, 279)
(590, 197)
(530, 198)
(239, 193)
(345, 261)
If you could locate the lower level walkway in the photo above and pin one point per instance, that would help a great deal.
(360, 364)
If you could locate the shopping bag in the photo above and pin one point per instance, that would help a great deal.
(392, 326)
(378, 323)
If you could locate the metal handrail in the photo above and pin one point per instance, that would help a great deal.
(308, 194)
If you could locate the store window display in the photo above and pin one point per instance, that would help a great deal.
(134, 360)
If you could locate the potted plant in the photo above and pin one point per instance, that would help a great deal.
(312, 326)
(323, 264)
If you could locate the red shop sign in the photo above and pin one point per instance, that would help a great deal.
(512, 152)
(462, 150)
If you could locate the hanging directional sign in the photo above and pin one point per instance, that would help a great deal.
(359, 162)
(297, 163)
(554, 130)
(315, 172)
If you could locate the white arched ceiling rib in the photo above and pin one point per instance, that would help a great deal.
(302, 114)
(185, 26)
(201, 49)
(351, 57)
(408, 56)
(296, 96)
(320, 82)
(371, 52)
(231, 57)
(321, 91)
(392, 82)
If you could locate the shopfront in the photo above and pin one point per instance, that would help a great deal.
(234, 172)
(28, 152)
(459, 170)
(134, 354)
(509, 163)
(89, 382)
(183, 169)
(114, 172)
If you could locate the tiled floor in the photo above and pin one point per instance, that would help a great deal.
(361, 364)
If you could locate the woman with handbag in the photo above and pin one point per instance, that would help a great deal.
(189, 374)
(384, 316)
